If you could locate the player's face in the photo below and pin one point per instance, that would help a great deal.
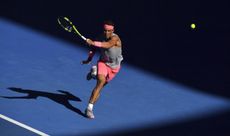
(108, 33)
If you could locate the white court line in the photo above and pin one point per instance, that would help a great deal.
(23, 125)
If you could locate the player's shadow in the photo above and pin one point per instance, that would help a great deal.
(62, 98)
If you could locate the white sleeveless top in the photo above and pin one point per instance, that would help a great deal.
(112, 56)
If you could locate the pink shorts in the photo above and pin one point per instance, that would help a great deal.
(107, 71)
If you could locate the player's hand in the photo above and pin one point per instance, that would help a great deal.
(85, 62)
(89, 41)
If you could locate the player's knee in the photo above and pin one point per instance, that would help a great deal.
(101, 79)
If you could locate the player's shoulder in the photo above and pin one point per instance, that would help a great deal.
(115, 36)
(117, 39)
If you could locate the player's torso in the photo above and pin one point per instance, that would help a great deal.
(112, 56)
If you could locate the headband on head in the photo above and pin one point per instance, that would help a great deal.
(108, 27)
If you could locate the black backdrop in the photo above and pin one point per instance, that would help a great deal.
(156, 34)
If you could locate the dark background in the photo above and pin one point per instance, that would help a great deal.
(156, 37)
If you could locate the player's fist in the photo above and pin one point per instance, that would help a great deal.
(89, 41)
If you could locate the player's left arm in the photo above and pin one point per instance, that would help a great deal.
(114, 41)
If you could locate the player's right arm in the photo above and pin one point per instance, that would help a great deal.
(90, 57)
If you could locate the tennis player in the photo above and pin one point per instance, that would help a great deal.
(108, 64)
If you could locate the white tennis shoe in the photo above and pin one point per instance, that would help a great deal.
(89, 114)
(92, 73)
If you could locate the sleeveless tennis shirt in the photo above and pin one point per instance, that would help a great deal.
(112, 56)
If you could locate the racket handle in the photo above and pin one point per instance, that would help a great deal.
(83, 38)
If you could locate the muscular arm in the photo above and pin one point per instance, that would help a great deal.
(114, 41)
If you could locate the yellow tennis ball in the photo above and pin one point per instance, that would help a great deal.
(193, 26)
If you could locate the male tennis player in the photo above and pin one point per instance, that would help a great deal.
(108, 65)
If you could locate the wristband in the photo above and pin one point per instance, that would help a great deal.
(97, 44)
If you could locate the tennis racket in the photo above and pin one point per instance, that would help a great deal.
(67, 25)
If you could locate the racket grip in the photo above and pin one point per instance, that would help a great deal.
(83, 38)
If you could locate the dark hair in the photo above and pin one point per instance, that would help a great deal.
(109, 22)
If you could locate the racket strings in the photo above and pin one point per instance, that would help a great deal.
(67, 25)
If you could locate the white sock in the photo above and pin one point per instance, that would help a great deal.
(90, 106)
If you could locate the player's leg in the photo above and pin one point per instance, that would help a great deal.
(101, 81)
(100, 93)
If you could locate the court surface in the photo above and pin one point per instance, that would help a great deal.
(43, 85)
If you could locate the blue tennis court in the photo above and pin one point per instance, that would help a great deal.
(43, 85)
